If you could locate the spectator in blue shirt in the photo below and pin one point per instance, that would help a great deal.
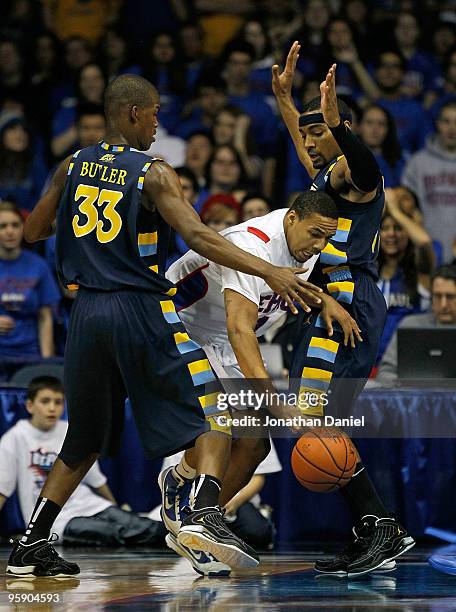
(114, 55)
(28, 293)
(199, 114)
(22, 167)
(422, 70)
(447, 91)
(255, 33)
(411, 120)
(378, 131)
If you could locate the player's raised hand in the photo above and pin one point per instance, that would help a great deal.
(333, 311)
(286, 282)
(329, 98)
(283, 82)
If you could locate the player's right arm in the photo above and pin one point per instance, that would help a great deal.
(163, 190)
(281, 86)
(40, 224)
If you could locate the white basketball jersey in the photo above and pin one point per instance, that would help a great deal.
(201, 283)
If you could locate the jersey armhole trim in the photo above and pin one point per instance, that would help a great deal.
(258, 233)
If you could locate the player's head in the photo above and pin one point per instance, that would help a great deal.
(318, 139)
(45, 401)
(11, 228)
(309, 224)
(90, 124)
(443, 291)
(131, 106)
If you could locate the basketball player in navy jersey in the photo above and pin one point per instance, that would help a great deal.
(114, 208)
(342, 166)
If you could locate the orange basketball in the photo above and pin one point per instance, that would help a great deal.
(323, 459)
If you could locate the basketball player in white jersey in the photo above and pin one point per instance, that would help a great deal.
(226, 311)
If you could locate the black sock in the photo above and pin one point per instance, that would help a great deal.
(41, 521)
(206, 491)
(361, 496)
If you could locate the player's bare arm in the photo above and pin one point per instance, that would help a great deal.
(357, 174)
(40, 224)
(281, 86)
(162, 187)
(241, 319)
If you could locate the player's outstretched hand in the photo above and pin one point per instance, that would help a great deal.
(287, 284)
(283, 82)
(329, 98)
(332, 311)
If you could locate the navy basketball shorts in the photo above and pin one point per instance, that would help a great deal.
(132, 343)
(327, 376)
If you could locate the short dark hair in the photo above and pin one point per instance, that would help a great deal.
(448, 272)
(43, 382)
(190, 175)
(203, 133)
(319, 202)
(256, 195)
(128, 90)
(315, 105)
(396, 52)
(238, 46)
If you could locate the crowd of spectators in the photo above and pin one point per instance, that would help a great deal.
(219, 127)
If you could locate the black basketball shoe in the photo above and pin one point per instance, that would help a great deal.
(387, 541)
(338, 566)
(206, 530)
(38, 559)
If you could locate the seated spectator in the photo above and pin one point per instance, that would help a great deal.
(422, 70)
(378, 131)
(443, 40)
(28, 293)
(164, 68)
(114, 55)
(13, 81)
(443, 295)
(199, 150)
(22, 167)
(254, 32)
(27, 453)
(254, 205)
(247, 516)
(352, 77)
(225, 172)
(405, 265)
(447, 90)
(430, 174)
(411, 121)
(91, 83)
(220, 211)
(191, 42)
(199, 113)
(232, 126)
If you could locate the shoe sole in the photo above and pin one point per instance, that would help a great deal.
(217, 569)
(386, 566)
(408, 543)
(29, 572)
(229, 554)
(167, 522)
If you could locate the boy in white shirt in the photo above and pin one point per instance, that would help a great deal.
(27, 453)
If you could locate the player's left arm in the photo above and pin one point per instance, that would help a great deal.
(40, 224)
(357, 174)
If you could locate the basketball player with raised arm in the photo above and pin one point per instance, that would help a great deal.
(344, 168)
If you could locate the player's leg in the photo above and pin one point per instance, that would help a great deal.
(173, 392)
(322, 364)
(92, 393)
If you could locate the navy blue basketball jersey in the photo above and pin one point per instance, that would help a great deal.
(356, 243)
(106, 240)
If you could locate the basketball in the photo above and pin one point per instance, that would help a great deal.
(323, 459)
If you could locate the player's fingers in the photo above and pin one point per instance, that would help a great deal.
(296, 297)
(357, 333)
(290, 304)
(328, 323)
(309, 296)
(310, 286)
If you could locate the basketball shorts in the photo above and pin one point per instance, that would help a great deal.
(132, 343)
(324, 368)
